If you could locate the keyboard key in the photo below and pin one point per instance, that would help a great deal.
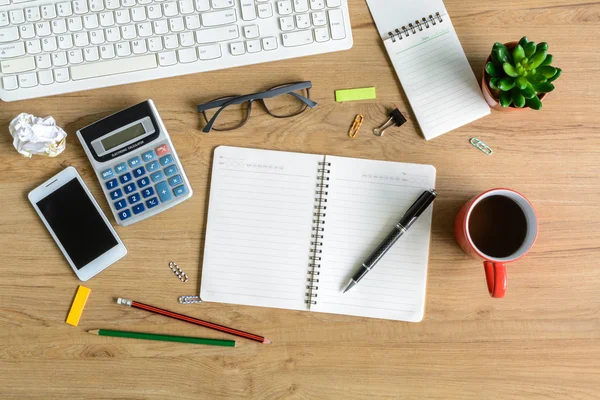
(43, 61)
(301, 5)
(180, 190)
(147, 192)
(139, 172)
(175, 180)
(167, 58)
(166, 160)
(125, 178)
(222, 3)
(34, 46)
(157, 176)
(28, 80)
(163, 191)
(120, 204)
(217, 34)
(17, 65)
(64, 9)
(192, 22)
(334, 3)
(9, 34)
(298, 38)
(3, 17)
(153, 166)
(33, 14)
(138, 208)
(319, 18)
(11, 50)
(134, 198)
(237, 48)
(322, 34)
(219, 18)
(123, 215)
(10, 83)
(107, 173)
(46, 77)
(336, 23)
(112, 184)
(186, 6)
(265, 10)
(269, 43)
(91, 54)
(317, 4)
(59, 59)
(96, 5)
(187, 55)
(253, 46)
(130, 188)
(248, 10)
(143, 182)
(209, 52)
(284, 7)
(172, 170)
(114, 67)
(170, 9)
(116, 194)
(134, 162)
(286, 24)
(302, 21)
(251, 31)
(61, 75)
(162, 150)
(112, 4)
(121, 167)
(80, 6)
(153, 202)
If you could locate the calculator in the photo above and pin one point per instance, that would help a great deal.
(136, 163)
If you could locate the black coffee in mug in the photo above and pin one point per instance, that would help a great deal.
(497, 226)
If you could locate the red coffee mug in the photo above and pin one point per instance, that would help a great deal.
(495, 267)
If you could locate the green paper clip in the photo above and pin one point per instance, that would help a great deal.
(367, 93)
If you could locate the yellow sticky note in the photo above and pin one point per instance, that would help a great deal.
(78, 305)
(367, 93)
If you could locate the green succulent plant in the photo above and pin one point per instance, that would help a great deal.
(521, 76)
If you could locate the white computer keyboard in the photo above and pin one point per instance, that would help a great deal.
(48, 48)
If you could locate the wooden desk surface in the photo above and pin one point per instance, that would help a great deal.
(541, 341)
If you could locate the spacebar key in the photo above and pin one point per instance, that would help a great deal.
(113, 67)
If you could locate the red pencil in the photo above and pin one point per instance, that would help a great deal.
(195, 321)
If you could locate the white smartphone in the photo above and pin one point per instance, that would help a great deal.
(77, 224)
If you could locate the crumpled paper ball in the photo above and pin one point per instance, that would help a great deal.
(33, 135)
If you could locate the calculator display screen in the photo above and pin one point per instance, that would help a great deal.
(75, 220)
(123, 136)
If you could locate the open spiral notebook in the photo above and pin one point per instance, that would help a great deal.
(430, 63)
(287, 230)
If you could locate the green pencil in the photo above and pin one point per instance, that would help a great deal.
(164, 338)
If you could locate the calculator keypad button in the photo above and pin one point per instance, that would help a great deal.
(163, 191)
(120, 168)
(134, 162)
(120, 204)
(139, 172)
(108, 173)
(125, 178)
(112, 184)
(129, 188)
(143, 182)
(157, 176)
(138, 208)
(147, 192)
(166, 160)
(179, 190)
(124, 214)
(153, 166)
(134, 198)
(153, 202)
(175, 180)
(148, 156)
(161, 150)
(116, 194)
(172, 170)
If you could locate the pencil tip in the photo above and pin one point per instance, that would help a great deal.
(94, 331)
(266, 341)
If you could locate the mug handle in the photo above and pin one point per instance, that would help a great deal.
(495, 275)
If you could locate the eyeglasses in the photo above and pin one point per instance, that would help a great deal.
(283, 101)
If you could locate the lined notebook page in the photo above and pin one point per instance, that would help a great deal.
(436, 76)
(365, 200)
(259, 225)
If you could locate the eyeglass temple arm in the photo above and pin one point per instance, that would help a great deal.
(305, 100)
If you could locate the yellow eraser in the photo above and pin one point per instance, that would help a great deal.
(78, 305)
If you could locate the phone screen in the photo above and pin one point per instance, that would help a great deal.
(76, 222)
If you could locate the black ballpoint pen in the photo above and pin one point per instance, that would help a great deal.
(400, 229)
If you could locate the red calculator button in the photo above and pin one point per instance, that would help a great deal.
(163, 149)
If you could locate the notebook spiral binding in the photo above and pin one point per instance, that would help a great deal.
(425, 22)
(316, 242)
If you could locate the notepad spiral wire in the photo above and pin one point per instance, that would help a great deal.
(425, 23)
(317, 234)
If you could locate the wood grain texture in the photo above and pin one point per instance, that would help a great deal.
(541, 341)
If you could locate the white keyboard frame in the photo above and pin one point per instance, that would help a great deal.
(269, 27)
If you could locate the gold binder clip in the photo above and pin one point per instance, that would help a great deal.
(356, 124)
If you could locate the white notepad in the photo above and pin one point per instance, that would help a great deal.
(288, 230)
(430, 62)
